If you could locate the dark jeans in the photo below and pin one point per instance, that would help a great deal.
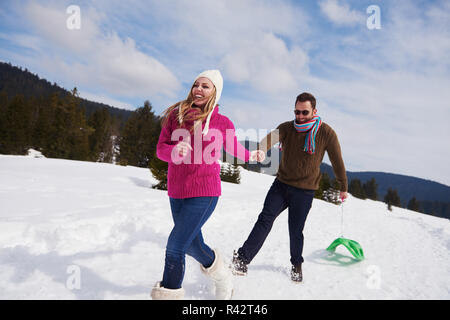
(189, 215)
(280, 197)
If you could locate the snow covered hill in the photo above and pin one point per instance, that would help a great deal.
(81, 230)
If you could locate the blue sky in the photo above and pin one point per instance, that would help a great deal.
(384, 91)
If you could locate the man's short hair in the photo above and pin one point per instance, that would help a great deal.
(305, 96)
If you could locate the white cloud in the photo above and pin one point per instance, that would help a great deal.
(340, 13)
(93, 57)
(224, 22)
(251, 41)
(23, 40)
(106, 100)
(266, 64)
(258, 114)
(421, 37)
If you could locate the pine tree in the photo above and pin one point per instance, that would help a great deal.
(324, 185)
(356, 189)
(53, 136)
(41, 129)
(79, 131)
(392, 199)
(370, 189)
(413, 204)
(3, 120)
(328, 190)
(332, 193)
(68, 136)
(159, 168)
(235, 174)
(100, 142)
(139, 137)
(15, 136)
(230, 173)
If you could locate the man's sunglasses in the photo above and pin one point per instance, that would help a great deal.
(303, 112)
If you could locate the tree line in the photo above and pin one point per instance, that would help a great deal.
(368, 190)
(58, 126)
(329, 191)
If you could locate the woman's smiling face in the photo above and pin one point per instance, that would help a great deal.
(201, 91)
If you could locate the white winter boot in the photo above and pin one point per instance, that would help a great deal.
(221, 274)
(161, 293)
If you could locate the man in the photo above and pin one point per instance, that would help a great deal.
(303, 142)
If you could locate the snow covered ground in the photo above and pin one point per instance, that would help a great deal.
(81, 230)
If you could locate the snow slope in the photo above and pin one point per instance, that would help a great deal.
(81, 230)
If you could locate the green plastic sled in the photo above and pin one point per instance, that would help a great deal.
(352, 246)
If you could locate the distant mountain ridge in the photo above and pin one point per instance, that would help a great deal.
(15, 80)
(407, 186)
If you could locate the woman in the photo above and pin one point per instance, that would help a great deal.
(193, 182)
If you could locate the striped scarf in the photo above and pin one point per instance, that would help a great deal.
(312, 126)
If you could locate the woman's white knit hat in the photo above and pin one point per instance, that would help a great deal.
(217, 80)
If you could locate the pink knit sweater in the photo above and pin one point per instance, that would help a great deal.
(198, 174)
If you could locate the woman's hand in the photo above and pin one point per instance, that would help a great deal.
(257, 155)
(183, 147)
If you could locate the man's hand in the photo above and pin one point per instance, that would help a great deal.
(257, 155)
(343, 195)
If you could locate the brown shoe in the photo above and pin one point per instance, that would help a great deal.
(296, 273)
(238, 266)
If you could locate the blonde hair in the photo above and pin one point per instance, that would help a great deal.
(185, 106)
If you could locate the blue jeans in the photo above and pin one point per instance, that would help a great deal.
(280, 197)
(189, 215)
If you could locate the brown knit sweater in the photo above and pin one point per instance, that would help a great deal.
(298, 168)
